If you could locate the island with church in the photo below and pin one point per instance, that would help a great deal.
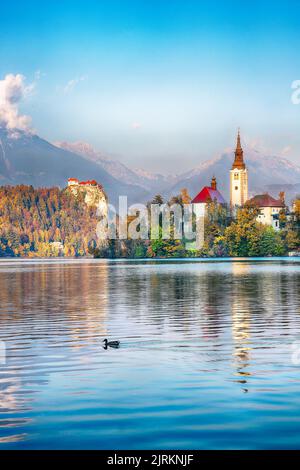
(51, 222)
(244, 227)
(269, 209)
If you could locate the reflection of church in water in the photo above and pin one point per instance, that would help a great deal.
(241, 325)
(253, 303)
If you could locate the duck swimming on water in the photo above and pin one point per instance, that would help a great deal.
(111, 344)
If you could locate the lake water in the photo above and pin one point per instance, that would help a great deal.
(209, 355)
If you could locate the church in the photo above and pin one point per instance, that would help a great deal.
(268, 206)
(238, 183)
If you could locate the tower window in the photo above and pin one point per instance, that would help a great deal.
(236, 188)
(236, 176)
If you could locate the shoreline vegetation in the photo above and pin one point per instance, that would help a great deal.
(49, 222)
(65, 259)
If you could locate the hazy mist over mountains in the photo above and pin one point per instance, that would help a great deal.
(25, 158)
(137, 176)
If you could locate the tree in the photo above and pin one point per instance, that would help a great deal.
(185, 197)
(215, 222)
(158, 199)
(242, 237)
(290, 232)
(270, 243)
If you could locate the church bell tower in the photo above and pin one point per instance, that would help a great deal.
(238, 177)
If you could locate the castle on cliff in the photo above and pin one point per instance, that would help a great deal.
(93, 192)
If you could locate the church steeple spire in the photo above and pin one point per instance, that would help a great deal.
(238, 143)
(238, 177)
(239, 154)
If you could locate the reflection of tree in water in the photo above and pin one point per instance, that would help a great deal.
(45, 310)
(213, 291)
(55, 294)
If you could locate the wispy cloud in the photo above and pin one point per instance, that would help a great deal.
(136, 125)
(73, 82)
(286, 150)
(13, 91)
(38, 75)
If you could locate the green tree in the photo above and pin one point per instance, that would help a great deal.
(242, 237)
(270, 243)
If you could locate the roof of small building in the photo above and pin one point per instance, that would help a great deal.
(208, 194)
(264, 200)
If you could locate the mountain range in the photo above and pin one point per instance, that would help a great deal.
(146, 180)
(28, 159)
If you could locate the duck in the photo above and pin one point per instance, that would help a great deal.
(111, 344)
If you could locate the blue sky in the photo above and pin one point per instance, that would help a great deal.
(158, 84)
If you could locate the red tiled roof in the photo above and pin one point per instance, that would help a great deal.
(88, 182)
(265, 200)
(92, 182)
(208, 194)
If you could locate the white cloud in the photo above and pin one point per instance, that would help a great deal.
(72, 83)
(13, 91)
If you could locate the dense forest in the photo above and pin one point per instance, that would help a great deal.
(52, 222)
(45, 222)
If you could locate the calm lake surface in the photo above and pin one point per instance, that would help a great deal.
(209, 356)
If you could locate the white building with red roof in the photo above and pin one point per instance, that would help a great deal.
(269, 209)
(209, 194)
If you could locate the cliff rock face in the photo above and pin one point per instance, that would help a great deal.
(94, 195)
